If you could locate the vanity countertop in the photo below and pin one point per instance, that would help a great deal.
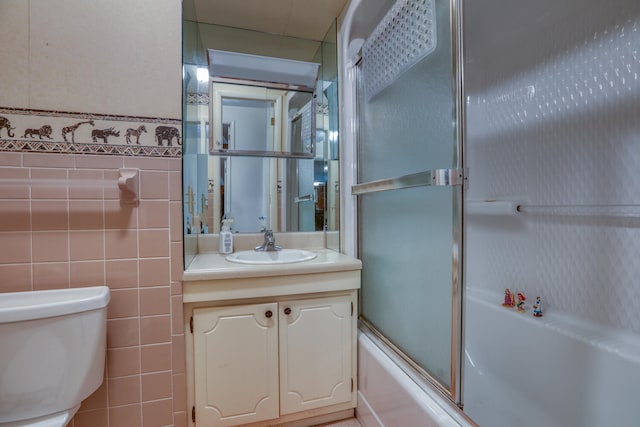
(214, 266)
(210, 278)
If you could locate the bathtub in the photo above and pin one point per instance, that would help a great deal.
(388, 397)
(551, 371)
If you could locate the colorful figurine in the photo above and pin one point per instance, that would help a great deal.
(520, 303)
(509, 298)
(537, 308)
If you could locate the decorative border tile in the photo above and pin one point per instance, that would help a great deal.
(197, 98)
(87, 133)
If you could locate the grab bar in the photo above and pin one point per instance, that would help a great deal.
(510, 207)
(307, 198)
(624, 211)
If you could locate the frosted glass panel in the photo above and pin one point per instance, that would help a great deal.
(406, 236)
(405, 247)
(409, 126)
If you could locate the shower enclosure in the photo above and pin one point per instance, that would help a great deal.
(543, 200)
(553, 100)
(409, 187)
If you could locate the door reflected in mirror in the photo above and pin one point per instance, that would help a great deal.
(284, 195)
(249, 120)
(252, 122)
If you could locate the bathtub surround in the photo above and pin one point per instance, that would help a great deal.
(552, 123)
(79, 67)
(523, 360)
(540, 128)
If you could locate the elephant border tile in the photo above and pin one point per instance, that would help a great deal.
(78, 133)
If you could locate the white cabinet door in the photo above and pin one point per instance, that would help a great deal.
(236, 367)
(315, 353)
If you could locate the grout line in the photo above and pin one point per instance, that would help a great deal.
(30, 220)
(137, 229)
(68, 209)
(171, 310)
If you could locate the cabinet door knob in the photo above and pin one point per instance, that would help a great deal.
(287, 311)
(268, 314)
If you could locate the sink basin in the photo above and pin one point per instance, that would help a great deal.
(283, 256)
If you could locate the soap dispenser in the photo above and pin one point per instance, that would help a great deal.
(226, 237)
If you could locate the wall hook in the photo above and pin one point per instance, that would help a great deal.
(129, 184)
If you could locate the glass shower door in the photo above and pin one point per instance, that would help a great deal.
(409, 192)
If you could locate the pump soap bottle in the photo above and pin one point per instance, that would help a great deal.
(226, 237)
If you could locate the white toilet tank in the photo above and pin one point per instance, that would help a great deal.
(52, 353)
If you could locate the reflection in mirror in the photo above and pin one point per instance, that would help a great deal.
(283, 195)
(263, 122)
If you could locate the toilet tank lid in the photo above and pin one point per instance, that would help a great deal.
(21, 306)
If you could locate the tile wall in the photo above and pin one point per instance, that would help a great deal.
(72, 61)
(60, 237)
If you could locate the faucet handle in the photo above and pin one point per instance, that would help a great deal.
(269, 242)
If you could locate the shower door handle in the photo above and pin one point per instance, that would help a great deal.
(430, 178)
(300, 199)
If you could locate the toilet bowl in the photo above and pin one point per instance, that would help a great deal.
(52, 354)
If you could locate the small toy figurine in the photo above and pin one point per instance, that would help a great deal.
(509, 299)
(537, 308)
(520, 304)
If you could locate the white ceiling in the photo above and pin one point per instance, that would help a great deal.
(306, 19)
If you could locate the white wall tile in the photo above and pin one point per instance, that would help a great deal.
(14, 53)
(115, 56)
(556, 126)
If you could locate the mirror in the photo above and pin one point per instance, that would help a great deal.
(284, 194)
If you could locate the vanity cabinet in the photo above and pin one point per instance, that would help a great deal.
(255, 362)
(272, 350)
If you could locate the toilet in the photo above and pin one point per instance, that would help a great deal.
(52, 353)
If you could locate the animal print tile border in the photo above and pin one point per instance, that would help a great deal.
(86, 133)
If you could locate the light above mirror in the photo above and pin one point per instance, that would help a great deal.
(265, 71)
(202, 74)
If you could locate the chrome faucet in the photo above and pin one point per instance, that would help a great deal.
(269, 244)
